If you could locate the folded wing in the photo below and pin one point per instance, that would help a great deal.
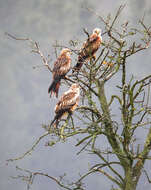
(89, 49)
(61, 68)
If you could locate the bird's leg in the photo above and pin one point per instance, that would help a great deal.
(62, 135)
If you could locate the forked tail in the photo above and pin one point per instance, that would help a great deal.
(54, 88)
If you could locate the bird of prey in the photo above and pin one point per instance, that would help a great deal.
(67, 103)
(60, 69)
(89, 48)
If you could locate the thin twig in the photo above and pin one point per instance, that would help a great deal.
(35, 50)
(30, 150)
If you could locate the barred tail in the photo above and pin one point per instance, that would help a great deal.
(54, 88)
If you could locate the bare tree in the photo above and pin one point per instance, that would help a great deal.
(95, 112)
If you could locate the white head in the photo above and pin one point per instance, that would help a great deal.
(66, 51)
(97, 31)
(75, 87)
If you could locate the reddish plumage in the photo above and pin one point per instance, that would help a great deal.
(54, 87)
(60, 69)
(67, 103)
(89, 49)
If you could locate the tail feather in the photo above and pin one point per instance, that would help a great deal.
(56, 120)
(78, 66)
(57, 89)
(54, 88)
(81, 59)
(58, 117)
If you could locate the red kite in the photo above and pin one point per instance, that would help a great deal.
(90, 46)
(60, 69)
(67, 103)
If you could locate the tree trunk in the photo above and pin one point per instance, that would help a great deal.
(130, 182)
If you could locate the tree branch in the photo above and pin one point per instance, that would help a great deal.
(30, 150)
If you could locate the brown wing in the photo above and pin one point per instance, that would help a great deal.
(66, 102)
(61, 66)
(90, 46)
(88, 50)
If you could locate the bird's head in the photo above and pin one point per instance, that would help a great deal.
(75, 87)
(97, 31)
(66, 51)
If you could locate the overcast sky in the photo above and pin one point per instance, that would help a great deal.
(24, 101)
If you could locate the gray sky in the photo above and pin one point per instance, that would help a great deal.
(24, 101)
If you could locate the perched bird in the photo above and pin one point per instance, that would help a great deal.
(89, 48)
(60, 69)
(67, 103)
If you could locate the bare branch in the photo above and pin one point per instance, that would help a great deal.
(86, 32)
(31, 176)
(35, 50)
(108, 164)
(30, 150)
(149, 180)
(109, 176)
